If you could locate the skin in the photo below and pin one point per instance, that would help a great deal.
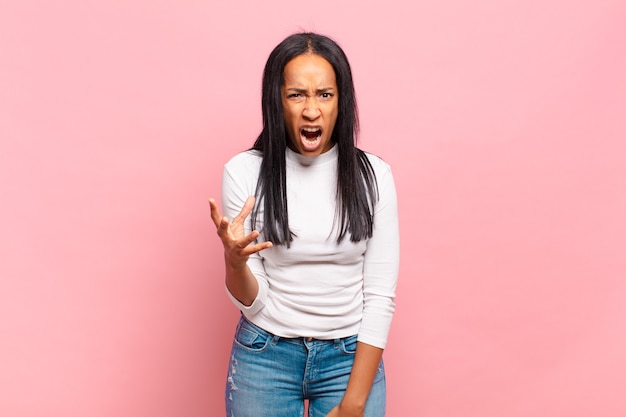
(310, 100)
(238, 247)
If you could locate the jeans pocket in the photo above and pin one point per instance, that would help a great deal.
(348, 345)
(249, 338)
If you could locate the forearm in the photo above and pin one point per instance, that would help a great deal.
(241, 283)
(366, 362)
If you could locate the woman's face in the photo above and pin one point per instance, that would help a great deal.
(310, 104)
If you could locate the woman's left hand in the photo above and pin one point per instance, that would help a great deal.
(339, 411)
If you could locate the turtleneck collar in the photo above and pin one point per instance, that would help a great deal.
(294, 158)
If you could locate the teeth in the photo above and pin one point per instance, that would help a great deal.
(310, 129)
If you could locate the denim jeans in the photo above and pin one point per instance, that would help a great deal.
(271, 376)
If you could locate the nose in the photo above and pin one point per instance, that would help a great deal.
(311, 109)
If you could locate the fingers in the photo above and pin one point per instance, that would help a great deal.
(252, 249)
(231, 233)
(248, 248)
(238, 252)
(248, 205)
(245, 210)
(221, 223)
(223, 228)
(216, 216)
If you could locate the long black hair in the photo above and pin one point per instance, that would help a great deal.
(357, 191)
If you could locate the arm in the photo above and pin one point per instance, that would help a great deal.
(245, 278)
(238, 247)
(380, 273)
(381, 264)
(364, 370)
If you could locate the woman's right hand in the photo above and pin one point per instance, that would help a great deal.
(237, 246)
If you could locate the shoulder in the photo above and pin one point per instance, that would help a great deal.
(246, 161)
(378, 164)
(242, 170)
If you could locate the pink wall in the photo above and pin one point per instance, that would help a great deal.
(505, 125)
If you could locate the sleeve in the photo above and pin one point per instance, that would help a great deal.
(238, 183)
(381, 265)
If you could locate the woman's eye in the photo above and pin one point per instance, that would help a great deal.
(327, 95)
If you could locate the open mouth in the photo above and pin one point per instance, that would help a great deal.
(311, 135)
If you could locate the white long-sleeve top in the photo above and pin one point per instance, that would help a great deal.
(317, 287)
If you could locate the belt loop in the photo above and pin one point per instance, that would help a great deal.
(337, 343)
(275, 340)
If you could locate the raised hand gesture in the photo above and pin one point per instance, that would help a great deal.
(237, 249)
(237, 246)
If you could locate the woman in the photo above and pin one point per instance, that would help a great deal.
(312, 251)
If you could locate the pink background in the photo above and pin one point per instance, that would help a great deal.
(504, 121)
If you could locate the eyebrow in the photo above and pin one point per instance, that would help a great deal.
(303, 91)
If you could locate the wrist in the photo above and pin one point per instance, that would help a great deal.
(352, 405)
(235, 265)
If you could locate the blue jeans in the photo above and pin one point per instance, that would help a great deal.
(271, 376)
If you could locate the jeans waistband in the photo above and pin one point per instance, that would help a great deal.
(297, 340)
